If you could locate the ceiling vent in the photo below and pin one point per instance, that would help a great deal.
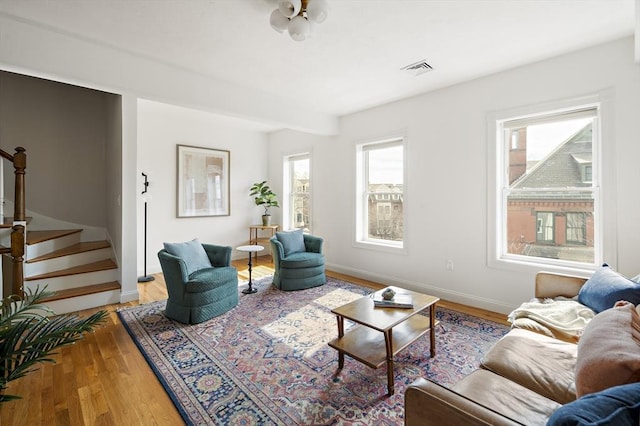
(417, 68)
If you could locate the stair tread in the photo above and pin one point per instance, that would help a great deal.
(82, 291)
(34, 237)
(101, 265)
(74, 249)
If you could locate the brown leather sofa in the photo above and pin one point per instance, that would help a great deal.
(523, 378)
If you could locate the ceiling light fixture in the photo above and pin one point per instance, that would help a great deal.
(294, 16)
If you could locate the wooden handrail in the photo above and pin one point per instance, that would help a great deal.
(5, 154)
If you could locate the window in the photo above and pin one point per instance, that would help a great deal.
(545, 227)
(380, 212)
(576, 228)
(514, 140)
(297, 186)
(547, 192)
(587, 173)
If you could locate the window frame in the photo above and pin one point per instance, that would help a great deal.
(288, 221)
(604, 177)
(360, 237)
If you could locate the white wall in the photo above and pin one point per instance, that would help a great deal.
(125, 192)
(161, 128)
(447, 183)
(447, 188)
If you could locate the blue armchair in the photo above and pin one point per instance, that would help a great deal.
(301, 268)
(198, 293)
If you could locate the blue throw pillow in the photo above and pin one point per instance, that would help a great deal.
(619, 405)
(193, 254)
(606, 287)
(292, 241)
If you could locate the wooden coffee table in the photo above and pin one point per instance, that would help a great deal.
(383, 331)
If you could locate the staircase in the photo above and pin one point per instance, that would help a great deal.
(82, 275)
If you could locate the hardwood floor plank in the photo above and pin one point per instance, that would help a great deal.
(47, 409)
(62, 418)
(74, 401)
(59, 396)
(86, 405)
(104, 379)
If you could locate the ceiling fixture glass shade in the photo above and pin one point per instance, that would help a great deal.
(299, 28)
(295, 16)
(289, 8)
(317, 10)
(278, 21)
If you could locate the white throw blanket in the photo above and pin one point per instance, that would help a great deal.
(566, 315)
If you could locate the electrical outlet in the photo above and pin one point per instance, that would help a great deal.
(449, 265)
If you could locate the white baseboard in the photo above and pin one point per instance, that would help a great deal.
(442, 293)
(129, 296)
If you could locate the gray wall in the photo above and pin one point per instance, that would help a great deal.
(64, 129)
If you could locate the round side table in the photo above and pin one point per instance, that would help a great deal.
(250, 249)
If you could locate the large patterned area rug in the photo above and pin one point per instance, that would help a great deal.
(267, 362)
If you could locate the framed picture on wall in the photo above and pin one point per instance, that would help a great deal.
(203, 182)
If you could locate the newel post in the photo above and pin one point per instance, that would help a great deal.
(19, 221)
(17, 256)
(19, 165)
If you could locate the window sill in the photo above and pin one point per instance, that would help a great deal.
(382, 247)
(535, 266)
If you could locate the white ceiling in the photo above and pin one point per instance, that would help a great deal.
(353, 60)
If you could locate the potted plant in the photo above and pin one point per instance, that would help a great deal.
(265, 197)
(28, 335)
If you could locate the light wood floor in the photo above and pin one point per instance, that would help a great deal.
(104, 380)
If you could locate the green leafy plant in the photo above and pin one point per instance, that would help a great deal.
(29, 333)
(263, 196)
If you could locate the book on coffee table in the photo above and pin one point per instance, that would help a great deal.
(398, 301)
